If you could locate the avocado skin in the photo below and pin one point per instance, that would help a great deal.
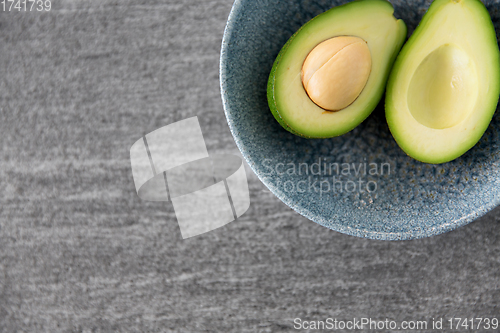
(270, 88)
(374, 101)
(390, 109)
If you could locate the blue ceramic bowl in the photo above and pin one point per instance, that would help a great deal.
(361, 183)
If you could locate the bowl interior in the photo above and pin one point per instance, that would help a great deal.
(360, 183)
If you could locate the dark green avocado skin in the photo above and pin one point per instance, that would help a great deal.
(270, 89)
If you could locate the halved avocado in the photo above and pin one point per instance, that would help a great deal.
(370, 20)
(444, 87)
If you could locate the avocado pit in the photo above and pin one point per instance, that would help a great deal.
(335, 72)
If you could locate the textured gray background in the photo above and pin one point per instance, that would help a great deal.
(80, 252)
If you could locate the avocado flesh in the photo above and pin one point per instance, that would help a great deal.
(444, 86)
(370, 20)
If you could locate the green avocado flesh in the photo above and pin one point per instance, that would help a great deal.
(370, 20)
(443, 89)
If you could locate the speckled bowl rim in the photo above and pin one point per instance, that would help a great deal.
(236, 9)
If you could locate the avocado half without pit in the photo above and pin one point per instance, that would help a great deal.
(332, 72)
(444, 87)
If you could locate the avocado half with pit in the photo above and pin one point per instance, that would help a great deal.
(332, 72)
(444, 87)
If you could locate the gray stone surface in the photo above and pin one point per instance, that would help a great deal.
(80, 252)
